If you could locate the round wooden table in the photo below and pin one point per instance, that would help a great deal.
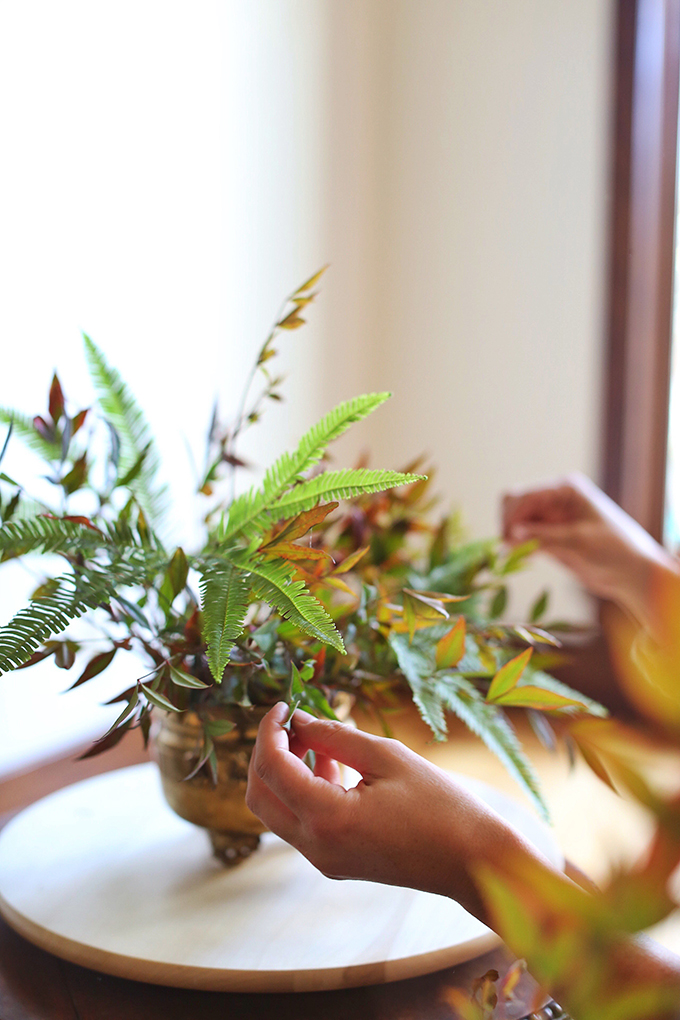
(35, 985)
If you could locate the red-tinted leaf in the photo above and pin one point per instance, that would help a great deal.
(451, 649)
(106, 742)
(56, 400)
(78, 420)
(290, 551)
(508, 675)
(85, 521)
(528, 696)
(192, 628)
(300, 525)
(95, 666)
(45, 430)
(351, 561)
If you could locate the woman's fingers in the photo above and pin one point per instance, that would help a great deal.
(284, 773)
(269, 809)
(361, 751)
(327, 768)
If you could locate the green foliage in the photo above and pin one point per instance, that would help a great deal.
(225, 599)
(45, 535)
(248, 513)
(325, 581)
(435, 692)
(49, 615)
(23, 426)
(336, 485)
(138, 464)
(275, 584)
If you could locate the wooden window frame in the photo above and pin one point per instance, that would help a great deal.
(637, 370)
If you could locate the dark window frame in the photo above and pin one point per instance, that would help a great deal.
(642, 239)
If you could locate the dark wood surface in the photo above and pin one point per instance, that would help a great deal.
(37, 986)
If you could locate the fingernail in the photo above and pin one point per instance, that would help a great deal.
(302, 716)
(280, 710)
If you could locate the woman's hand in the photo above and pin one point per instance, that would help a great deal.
(574, 521)
(407, 822)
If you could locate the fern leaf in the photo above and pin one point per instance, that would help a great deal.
(224, 597)
(341, 484)
(417, 664)
(489, 723)
(49, 615)
(290, 466)
(275, 583)
(123, 413)
(45, 535)
(25, 429)
(432, 695)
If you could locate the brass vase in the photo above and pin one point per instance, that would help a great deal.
(177, 744)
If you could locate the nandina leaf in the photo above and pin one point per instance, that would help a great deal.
(528, 696)
(65, 654)
(95, 666)
(178, 570)
(290, 551)
(442, 596)
(183, 679)
(499, 603)
(78, 420)
(107, 742)
(539, 607)
(300, 525)
(351, 561)
(44, 430)
(451, 648)
(159, 699)
(192, 628)
(218, 727)
(536, 636)
(308, 284)
(508, 675)
(56, 400)
(291, 321)
(75, 478)
(204, 758)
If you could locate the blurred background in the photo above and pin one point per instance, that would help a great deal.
(172, 171)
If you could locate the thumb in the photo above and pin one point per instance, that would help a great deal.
(361, 751)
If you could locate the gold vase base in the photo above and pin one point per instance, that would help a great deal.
(232, 848)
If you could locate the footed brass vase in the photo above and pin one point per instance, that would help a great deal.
(177, 744)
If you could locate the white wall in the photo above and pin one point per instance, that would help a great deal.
(175, 169)
(485, 272)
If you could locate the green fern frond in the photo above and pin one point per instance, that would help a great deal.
(341, 484)
(489, 723)
(285, 471)
(274, 582)
(122, 411)
(416, 663)
(24, 428)
(433, 695)
(224, 599)
(49, 615)
(45, 535)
